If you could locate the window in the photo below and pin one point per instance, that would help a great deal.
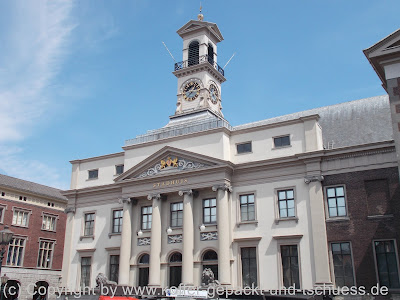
(20, 218)
(386, 262)
(343, 264)
(243, 148)
(16, 252)
(210, 54)
(45, 256)
(378, 195)
(209, 211)
(193, 53)
(86, 264)
(114, 268)
(94, 174)
(49, 222)
(175, 269)
(146, 217)
(117, 221)
(119, 169)
(89, 224)
(2, 210)
(336, 201)
(176, 214)
(249, 266)
(210, 261)
(290, 266)
(247, 209)
(282, 141)
(143, 263)
(3, 194)
(22, 198)
(286, 203)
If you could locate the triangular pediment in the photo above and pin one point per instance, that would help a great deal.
(169, 160)
(388, 45)
(193, 26)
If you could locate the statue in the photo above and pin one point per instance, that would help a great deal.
(207, 278)
(102, 279)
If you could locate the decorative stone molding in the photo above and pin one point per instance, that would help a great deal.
(313, 178)
(69, 210)
(170, 165)
(209, 236)
(144, 241)
(175, 239)
(225, 187)
(124, 200)
(188, 192)
(151, 197)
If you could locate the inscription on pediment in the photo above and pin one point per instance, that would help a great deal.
(170, 164)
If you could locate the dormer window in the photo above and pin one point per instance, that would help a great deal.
(193, 58)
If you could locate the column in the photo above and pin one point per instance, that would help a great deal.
(188, 237)
(155, 250)
(69, 229)
(319, 238)
(126, 242)
(224, 265)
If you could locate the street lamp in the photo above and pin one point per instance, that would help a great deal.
(6, 236)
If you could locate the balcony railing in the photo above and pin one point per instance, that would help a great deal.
(198, 60)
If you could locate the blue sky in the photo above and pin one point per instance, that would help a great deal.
(78, 78)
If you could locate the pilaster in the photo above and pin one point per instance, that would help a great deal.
(126, 242)
(69, 229)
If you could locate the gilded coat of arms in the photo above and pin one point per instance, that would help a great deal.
(169, 162)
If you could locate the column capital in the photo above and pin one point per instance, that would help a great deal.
(151, 197)
(124, 200)
(69, 210)
(313, 178)
(225, 187)
(187, 192)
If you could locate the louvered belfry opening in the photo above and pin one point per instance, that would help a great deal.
(210, 54)
(193, 53)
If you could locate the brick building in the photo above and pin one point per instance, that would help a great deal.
(35, 214)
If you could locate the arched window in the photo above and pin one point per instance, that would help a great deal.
(193, 58)
(175, 269)
(40, 291)
(144, 270)
(210, 260)
(210, 54)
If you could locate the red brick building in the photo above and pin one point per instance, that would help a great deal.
(35, 214)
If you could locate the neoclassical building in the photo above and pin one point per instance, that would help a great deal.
(256, 203)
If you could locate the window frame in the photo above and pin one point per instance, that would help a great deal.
(21, 209)
(24, 238)
(252, 245)
(116, 168)
(326, 204)
(279, 137)
(90, 269)
(289, 241)
(53, 242)
(208, 262)
(278, 217)
(3, 208)
(142, 266)
(93, 178)
(141, 218)
(109, 266)
(376, 261)
(173, 264)
(243, 143)
(239, 207)
(56, 217)
(216, 211)
(112, 220)
(170, 214)
(83, 224)
(332, 263)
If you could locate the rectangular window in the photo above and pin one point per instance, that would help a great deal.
(49, 222)
(2, 210)
(247, 209)
(290, 266)
(286, 203)
(146, 217)
(86, 264)
(343, 264)
(20, 218)
(114, 267)
(176, 214)
(249, 266)
(94, 174)
(336, 201)
(243, 148)
(282, 141)
(45, 256)
(209, 211)
(117, 221)
(16, 252)
(89, 224)
(386, 262)
(119, 169)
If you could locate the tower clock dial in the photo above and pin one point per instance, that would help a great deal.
(214, 94)
(191, 91)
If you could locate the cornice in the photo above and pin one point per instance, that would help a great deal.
(93, 189)
(204, 66)
(76, 161)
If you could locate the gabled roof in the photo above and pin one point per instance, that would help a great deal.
(383, 51)
(170, 160)
(30, 187)
(194, 26)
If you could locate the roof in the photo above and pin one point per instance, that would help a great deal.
(346, 124)
(31, 187)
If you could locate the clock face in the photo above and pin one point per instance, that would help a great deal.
(214, 94)
(191, 91)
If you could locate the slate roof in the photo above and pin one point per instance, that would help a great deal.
(346, 124)
(30, 187)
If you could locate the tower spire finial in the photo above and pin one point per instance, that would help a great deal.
(200, 16)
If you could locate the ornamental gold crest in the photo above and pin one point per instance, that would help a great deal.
(169, 162)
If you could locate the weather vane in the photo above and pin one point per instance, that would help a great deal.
(200, 16)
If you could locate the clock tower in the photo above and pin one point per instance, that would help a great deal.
(199, 75)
